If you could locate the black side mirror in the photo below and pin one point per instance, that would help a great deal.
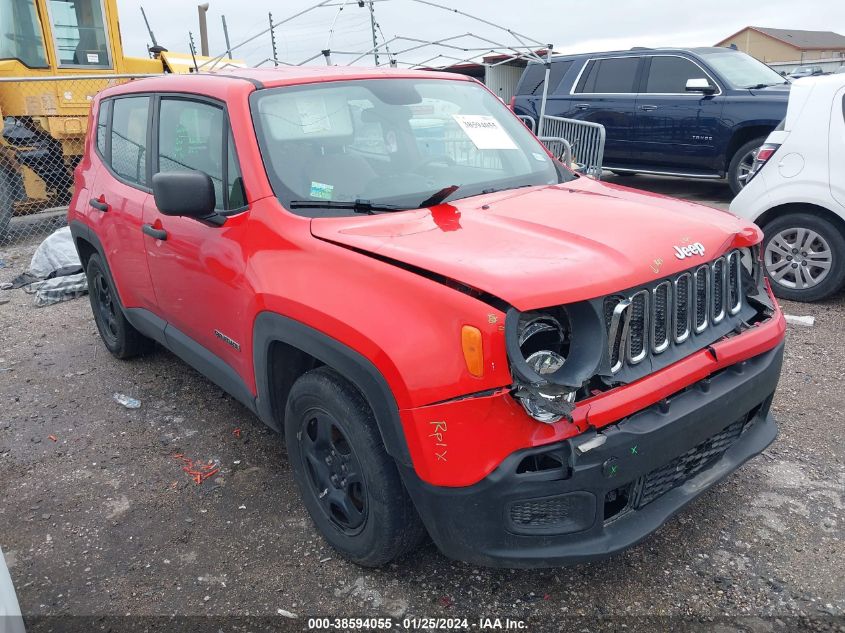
(188, 193)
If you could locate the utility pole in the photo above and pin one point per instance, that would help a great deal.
(202, 9)
(372, 26)
(273, 41)
(226, 36)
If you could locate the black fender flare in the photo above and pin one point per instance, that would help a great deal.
(271, 327)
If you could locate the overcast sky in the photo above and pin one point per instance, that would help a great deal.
(570, 26)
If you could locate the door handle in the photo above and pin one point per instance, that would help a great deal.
(582, 106)
(159, 234)
(100, 205)
(648, 108)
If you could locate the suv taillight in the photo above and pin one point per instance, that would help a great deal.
(765, 152)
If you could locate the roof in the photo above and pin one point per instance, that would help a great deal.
(215, 84)
(802, 40)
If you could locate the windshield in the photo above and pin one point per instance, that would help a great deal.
(742, 71)
(20, 33)
(394, 142)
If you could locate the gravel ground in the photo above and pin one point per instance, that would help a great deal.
(98, 518)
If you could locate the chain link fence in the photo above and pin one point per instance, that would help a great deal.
(45, 120)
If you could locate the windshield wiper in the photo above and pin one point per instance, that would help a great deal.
(439, 196)
(358, 206)
(761, 86)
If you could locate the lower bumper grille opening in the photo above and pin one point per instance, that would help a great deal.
(558, 514)
(616, 501)
(684, 467)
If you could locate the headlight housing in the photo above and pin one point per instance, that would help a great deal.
(544, 345)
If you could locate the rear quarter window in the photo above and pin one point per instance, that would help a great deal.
(534, 76)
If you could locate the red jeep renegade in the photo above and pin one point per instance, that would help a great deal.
(455, 333)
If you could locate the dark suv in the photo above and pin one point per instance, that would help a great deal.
(700, 112)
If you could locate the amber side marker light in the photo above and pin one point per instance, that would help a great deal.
(473, 351)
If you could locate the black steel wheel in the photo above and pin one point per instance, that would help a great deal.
(348, 483)
(118, 335)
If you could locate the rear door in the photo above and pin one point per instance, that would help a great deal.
(118, 193)
(676, 129)
(605, 92)
(198, 267)
(836, 149)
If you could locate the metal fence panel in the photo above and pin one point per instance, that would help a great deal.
(45, 120)
(585, 138)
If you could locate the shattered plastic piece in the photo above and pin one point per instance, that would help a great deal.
(237, 433)
(52, 438)
(806, 321)
(126, 401)
(198, 472)
(286, 614)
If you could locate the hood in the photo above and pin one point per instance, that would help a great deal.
(550, 245)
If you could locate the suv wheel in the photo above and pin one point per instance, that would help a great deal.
(120, 338)
(741, 164)
(348, 482)
(804, 257)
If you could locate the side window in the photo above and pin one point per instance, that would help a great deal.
(670, 75)
(191, 137)
(102, 125)
(129, 138)
(235, 193)
(534, 77)
(79, 33)
(614, 75)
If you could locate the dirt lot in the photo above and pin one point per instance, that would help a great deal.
(98, 518)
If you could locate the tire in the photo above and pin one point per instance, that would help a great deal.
(740, 167)
(787, 239)
(348, 483)
(118, 335)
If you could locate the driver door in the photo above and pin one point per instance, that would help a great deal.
(197, 268)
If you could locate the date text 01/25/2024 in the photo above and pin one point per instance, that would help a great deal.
(417, 623)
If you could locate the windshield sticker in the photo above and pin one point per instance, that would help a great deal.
(484, 131)
(93, 58)
(321, 191)
(313, 116)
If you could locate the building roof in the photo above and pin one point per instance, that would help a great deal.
(802, 40)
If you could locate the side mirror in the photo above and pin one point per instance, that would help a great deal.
(188, 193)
(700, 85)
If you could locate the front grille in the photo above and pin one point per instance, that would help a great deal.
(661, 480)
(670, 311)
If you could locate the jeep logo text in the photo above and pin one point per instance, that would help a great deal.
(682, 252)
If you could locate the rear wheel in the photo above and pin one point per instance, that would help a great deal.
(804, 257)
(742, 162)
(348, 482)
(118, 335)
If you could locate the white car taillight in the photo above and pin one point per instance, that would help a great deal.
(765, 152)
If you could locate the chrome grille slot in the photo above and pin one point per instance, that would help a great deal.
(671, 311)
(702, 298)
(719, 288)
(734, 260)
(638, 327)
(683, 304)
(661, 316)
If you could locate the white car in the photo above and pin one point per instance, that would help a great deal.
(10, 613)
(796, 192)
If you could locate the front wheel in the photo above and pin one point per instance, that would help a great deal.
(804, 257)
(739, 170)
(348, 482)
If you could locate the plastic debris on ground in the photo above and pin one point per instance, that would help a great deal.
(198, 471)
(127, 401)
(806, 321)
(286, 614)
(55, 273)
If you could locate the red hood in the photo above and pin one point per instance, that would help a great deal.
(547, 246)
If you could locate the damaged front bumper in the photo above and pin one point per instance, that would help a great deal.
(602, 491)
